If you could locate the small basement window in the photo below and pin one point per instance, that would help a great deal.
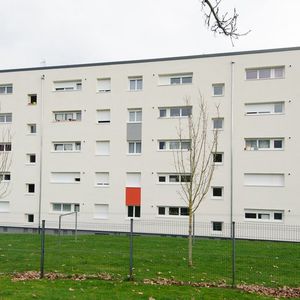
(32, 99)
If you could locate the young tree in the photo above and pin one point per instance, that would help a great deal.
(196, 164)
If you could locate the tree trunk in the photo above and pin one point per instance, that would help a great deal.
(190, 238)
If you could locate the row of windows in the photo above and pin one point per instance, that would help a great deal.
(135, 83)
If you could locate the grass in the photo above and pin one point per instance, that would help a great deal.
(257, 262)
(93, 289)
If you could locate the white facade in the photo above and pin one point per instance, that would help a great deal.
(81, 134)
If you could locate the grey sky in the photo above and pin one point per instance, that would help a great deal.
(76, 31)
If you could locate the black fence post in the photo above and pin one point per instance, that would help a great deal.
(233, 255)
(42, 250)
(131, 250)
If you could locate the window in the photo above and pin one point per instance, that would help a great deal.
(30, 188)
(134, 147)
(4, 206)
(133, 211)
(104, 85)
(5, 147)
(265, 73)
(218, 158)
(218, 89)
(218, 123)
(264, 144)
(135, 83)
(173, 211)
(63, 116)
(30, 218)
(6, 118)
(32, 99)
(67, 146)
(217, 192)
(103, 116)
(176, 79)
(263, 215)
(31, 128)
(102, 178)
(101, 211)
(65, 177)
(6, 88)
(133, 179)
(217, 226)
(174, 178)
(65, 207)
(135, 115)
(31, 158)
(261, 179)
(72, 85)
(4, 177)
(165, 145)
(264, 108)
(175, 112)
(102, 148)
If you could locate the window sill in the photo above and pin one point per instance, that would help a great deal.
(176, 117)
(102, 186)
(218, 96)
(134, 154)
(67, 121)
(172, 217)
(63, 91)
(65, 151)
(259, 150)
(217, 198)
(102, 154)
(134, 91)
(29, 194)
(266, 114)
(5, 123)
(178, 84)
(259, 79)
(100, 218)
(31, 134)
(29, 164)
(53, 182)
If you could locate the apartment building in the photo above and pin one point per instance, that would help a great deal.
(100, 139)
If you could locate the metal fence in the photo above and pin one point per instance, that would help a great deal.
(264, 254)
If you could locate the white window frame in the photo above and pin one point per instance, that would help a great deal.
(180, 108)
(167, 211)
(67, 85)
(66, 118)
(7, 147)
(263, 111)
(134, 212)
(104, 180)
(76, 146)
(73, 207)
(7, 118)
(217, 222)
(272, 71)
(217, 197)
(168, 145)
(106, 85)
(259, 212)
(137, 83)
(136, 146)
(218, 128)
(5, 177)
(137, 115)
(168, 178)
(103, 118)
(253, 144)
(216, 163)
(6, 89)
(218, 85)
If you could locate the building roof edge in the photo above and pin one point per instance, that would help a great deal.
(121, 62)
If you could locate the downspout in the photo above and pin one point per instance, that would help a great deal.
(231, 142)
(41, 100)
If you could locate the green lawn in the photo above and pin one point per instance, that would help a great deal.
(264, 263)
(95, 289)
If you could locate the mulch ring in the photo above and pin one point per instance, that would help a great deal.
(281, 292)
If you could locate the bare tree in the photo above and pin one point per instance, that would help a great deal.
(196, 165)
(5, 161)
(221, 23)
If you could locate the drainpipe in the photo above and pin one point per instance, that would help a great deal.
(231, 142)
(41, 101)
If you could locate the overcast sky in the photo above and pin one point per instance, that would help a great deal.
(82, 31)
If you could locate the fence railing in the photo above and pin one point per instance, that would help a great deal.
(266, 254)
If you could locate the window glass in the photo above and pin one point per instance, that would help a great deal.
(162, 145)
(187, 79)
(218, 123)
(251, 74)
(186, 111)
(161, 178)
(264, 144)
(279, 72)
(162, 113)
(174, 145)
(264, 73)
(175, 112)
(278, 107)
(66, 207)
(174, 178)
(185, 145)
(173, 211)
(278, 144)
(161, 210)
(184, 211)
(175, 80)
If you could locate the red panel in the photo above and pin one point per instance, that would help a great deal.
(133, 196)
